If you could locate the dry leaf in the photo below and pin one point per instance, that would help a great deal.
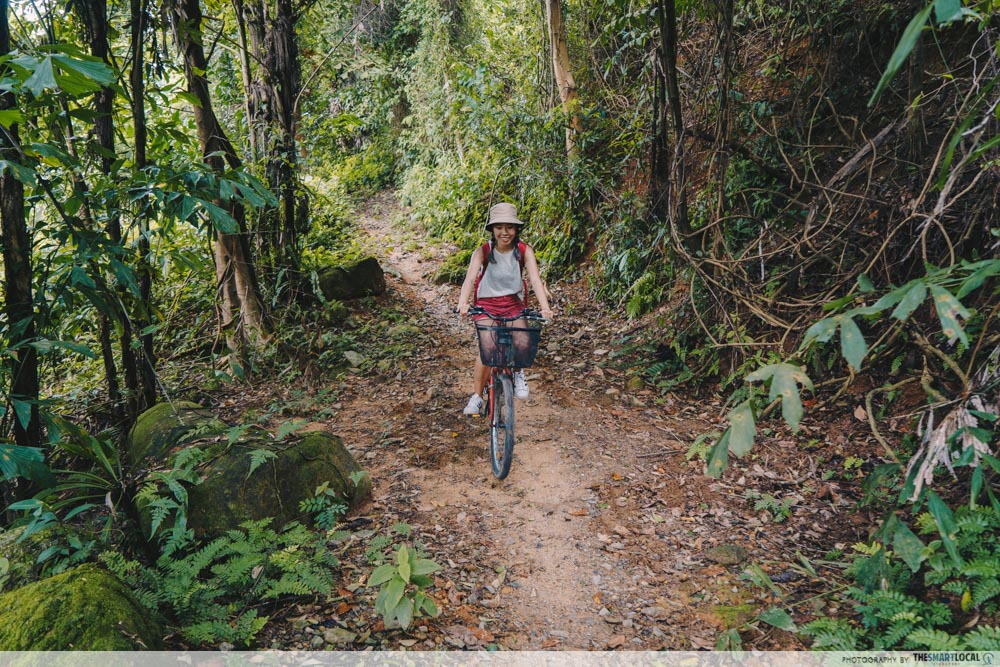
(860, 414)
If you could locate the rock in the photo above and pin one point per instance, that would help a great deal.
(727, 554)
(168, 426)
(229, 494)
(365, 278)
(84, 609)
(339, 636)
(355, 359)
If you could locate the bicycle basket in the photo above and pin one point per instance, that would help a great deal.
(508, 347)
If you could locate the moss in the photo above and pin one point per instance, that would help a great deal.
(167, 425)
(84, 609)
(228, 496)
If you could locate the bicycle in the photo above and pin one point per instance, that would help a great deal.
(504, 348)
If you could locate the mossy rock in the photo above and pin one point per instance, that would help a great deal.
(229, 494)
(83, 609)
(167, 426)
(727, 554)
(365, 278)
(20, 568)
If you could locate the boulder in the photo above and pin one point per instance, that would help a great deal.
(365, 278)
(230, 493)
(166, 427)
(83, 609)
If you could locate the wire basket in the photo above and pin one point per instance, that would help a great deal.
(508, 347)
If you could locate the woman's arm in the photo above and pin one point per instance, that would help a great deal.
(537, 286)
(475, 264)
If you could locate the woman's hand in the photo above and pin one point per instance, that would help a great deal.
(463, 308)
(547, 313)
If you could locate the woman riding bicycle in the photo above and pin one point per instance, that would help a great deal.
(495, 283)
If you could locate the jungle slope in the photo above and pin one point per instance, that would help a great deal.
(605, 535)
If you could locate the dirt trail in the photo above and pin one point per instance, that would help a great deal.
(598, 537)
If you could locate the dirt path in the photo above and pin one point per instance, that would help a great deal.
(603, 536)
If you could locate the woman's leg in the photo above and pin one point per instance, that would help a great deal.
(479, 377)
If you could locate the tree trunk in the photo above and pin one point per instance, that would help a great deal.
(271, 114)
(668, 182)
(564, 75)
(19, 304)
(146, 367)
(720, 150)
(243, 313)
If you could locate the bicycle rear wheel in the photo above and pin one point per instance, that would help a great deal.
(502, 426)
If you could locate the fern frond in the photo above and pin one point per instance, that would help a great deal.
(985, 638)
(935, 640)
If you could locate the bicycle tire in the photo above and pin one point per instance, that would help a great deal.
(502, 426)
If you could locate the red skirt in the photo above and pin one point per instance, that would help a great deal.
(500, 306)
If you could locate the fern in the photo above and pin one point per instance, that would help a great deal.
(985, 590)
(985, 638)
(258, 457)
(832, 634)
(936, 640)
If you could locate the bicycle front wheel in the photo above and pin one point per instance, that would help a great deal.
(502, 426)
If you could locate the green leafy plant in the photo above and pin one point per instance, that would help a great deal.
(778, 509)
(326, 507)
(212, 592)
(912, 595)
(402, 585)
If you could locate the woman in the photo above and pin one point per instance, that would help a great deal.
(495, 283)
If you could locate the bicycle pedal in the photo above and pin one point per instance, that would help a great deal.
(476, 416)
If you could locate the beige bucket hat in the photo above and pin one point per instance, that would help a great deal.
(503, 213)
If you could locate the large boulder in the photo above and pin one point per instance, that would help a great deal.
(230, 493)
(365, 278)
(83, 609)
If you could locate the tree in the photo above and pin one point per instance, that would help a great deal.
(668, 182)
(242, 311)
(22, 398)
(563, 74)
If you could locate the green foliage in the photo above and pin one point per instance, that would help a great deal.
(326, 507)
(778, 509)
(920, 596)
(402, 583)
(211, 591)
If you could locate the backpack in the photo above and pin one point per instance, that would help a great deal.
(522, 247)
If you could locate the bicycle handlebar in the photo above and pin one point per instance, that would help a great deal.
(527, 314)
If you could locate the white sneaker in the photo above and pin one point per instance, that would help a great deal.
(520, 385)
(475, 405)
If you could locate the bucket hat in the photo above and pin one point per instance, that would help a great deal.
(503, 213)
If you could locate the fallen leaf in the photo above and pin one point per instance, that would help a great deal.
(617, 641)
(860, 414)
(579, 512)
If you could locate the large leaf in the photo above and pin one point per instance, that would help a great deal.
(821, 331)
(914, 296)
(43, 78)
(785, 379)
(779, 618)
(908, 546)
(381, 574)
(903, 49)
(852, 343)
(949, 310)
(946, 11)
(742, 428)
(946, 526)
(718, 456)
(24, 174)
(85, 68)
(18, 461)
